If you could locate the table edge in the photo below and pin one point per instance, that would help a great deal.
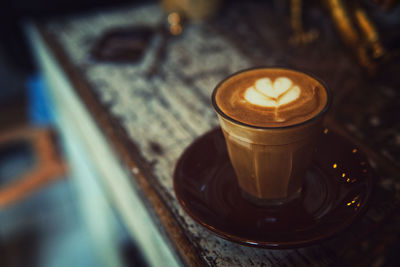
(127, 152)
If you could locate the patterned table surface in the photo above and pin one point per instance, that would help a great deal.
(164, 112)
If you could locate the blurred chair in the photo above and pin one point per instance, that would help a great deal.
(48, 164)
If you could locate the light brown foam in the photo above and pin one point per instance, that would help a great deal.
(230, 98)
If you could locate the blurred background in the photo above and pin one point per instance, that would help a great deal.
(42, 224)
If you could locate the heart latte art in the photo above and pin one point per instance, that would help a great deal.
(267, 94)
(270, 97)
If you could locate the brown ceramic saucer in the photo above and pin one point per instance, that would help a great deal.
(337, 188)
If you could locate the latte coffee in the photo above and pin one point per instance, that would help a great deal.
(271, 119)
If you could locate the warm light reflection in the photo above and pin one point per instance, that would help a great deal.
(175, 29)
(354, 150)
(174, 18)
(351, 180)
(355, 201)
(326, 131)
(344, 175)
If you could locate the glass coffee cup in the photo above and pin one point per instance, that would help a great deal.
(271, 119)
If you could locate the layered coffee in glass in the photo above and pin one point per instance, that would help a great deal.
(271, 119)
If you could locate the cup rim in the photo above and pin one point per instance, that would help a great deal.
(320, 114)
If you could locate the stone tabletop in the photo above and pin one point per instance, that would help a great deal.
(163, 104)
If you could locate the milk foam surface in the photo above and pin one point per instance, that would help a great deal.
(271, 97)
(272, 94)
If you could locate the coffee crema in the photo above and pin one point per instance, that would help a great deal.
(271, 97)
